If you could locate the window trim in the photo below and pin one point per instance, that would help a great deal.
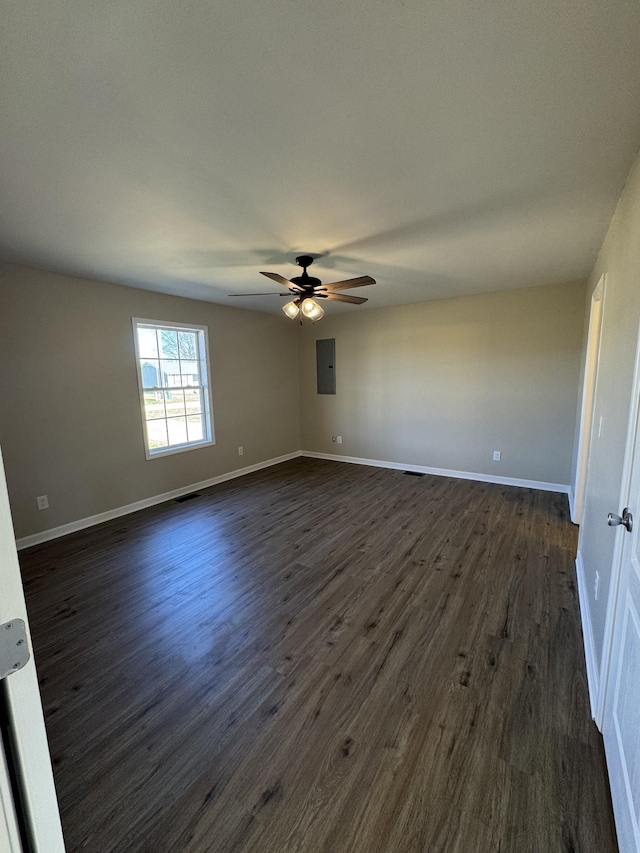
(206, 389)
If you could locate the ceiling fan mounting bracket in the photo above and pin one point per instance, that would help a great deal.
(304, 260)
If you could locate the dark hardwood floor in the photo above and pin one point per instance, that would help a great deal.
(322, 657)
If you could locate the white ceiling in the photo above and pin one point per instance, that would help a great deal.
(443, 147)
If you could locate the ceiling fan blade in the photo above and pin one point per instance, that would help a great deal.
(274, 276)
(342, 297)
(361, 281)
(270, 293)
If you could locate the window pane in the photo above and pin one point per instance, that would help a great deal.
(193, 400)
(174, 401)
(190, 372)
(172, 371)
(150, 370)
(147, 343)
(194, 428)
(157, 434)
(187, 345)
(153, 405)
(168, 343)
(177, 431)
(170, 374)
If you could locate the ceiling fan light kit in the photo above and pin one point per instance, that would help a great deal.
(291, 309)
(311, 310)
(307, 290)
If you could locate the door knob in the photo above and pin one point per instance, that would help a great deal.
(626, 519)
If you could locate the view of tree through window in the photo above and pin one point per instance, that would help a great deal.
(172, 370)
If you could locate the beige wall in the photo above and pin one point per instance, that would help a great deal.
(440, 384)
(444, 384)
(70, 424)
(619, 258)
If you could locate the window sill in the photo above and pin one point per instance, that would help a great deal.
(179, 448)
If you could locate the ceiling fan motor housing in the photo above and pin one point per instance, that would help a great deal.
(306, 281)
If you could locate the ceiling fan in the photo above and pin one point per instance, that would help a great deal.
(307, 289)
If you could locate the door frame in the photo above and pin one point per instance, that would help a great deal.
(27, 750)
(587, 410)
(9, 827)
(616, 563)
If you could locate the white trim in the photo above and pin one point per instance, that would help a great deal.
(589, 387)
(9, 831)
(92, 520)
(26, 740)
(572, 504)
(205, 387)
(591, 659)
(443, 472)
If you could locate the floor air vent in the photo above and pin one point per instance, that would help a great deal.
(414, 473)
(188, 497)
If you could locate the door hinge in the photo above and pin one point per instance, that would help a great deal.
(14, 649)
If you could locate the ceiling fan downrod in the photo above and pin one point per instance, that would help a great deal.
(307, 282)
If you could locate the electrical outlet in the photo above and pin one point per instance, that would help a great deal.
(43, 502)
(596, 586)
(241, 451)
(497, 455)
(338, 439)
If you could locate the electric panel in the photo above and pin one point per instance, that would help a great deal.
(326, 365)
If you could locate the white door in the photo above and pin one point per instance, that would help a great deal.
(621, 725)
(21, 694)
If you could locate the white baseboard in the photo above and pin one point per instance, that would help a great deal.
(90, 521)
(593, 674)
(443, 472)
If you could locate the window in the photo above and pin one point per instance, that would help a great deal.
(173, 376)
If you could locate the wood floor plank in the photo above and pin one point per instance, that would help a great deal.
(321, 657)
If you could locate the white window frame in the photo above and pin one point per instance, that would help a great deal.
(205, 387)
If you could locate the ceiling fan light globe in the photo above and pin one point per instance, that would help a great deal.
(311, 310)
(291, 310)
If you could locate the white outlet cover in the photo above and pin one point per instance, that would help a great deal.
(497, 455)
(42, 502)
